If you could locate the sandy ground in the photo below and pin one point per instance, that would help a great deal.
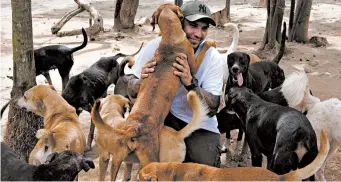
(324, 64)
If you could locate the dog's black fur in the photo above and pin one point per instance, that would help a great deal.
(63, 166)
(56, 57)
(259, 77)
(83, 89)
(273, 130)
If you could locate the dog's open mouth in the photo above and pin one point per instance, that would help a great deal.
(238, 78)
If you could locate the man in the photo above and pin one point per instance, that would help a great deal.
(203, 145)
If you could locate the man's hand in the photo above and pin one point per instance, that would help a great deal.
(183, 70)
(148, 68)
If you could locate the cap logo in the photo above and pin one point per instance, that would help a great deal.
(202, 8)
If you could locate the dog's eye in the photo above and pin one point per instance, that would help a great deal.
(25, 97)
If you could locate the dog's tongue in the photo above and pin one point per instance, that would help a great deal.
(240, 79)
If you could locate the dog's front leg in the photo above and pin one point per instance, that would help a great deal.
(256, 156)
(90, 137)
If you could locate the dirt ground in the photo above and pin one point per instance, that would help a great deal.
(323, 64)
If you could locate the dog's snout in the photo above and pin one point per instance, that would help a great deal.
(235, 69)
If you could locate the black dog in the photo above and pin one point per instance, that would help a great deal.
(83, 89)
(259, 76)
(56, 56)
(283, 134)
(63, 166)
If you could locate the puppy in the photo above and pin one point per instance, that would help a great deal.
(63, 166)
(61, 127)
(325, 115)
(83, 89)
(56, 56)
(172, 145)
(197, 172)
(284, 135)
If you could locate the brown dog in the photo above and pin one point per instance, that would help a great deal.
(198, 172)
(172, 145)
(61, 127)
(140, 133)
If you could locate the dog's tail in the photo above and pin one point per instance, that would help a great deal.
(128, 59)
(200, 112)
(102, 126)
(4, 108)
(314, 166)
(85, 42)
(282, 46)
(295, 90)
(235, 39)
(122, 55)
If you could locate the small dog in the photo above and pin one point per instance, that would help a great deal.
(175, 171)
(61, 127)
(280, 133)
(56, 56)
(83, 89)
(325, 115)
(63, 166)
(172, 145)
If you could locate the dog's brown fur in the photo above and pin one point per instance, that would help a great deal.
(172, 145)
(61, 127)
(140, 133)
(198, 172)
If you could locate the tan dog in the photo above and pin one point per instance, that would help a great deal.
(140, 133)
(198, 172)
(61, 128)
(172, 145)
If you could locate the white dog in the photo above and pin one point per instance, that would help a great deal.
(321, 114)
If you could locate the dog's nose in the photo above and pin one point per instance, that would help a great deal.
(235, 69)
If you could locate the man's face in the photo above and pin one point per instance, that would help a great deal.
(196, 31)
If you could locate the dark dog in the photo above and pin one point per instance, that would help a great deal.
(83, 89)
(63, 166)
(283, 134)
(259, 76)
(56, 57)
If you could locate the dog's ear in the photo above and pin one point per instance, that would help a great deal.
(180, 14)
(51, 157)
(40, 104)
(155, 18)
(248, 59)
(87, 164)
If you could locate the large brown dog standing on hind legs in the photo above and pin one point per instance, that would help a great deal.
(140, 133)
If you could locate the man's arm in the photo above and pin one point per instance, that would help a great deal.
(184, 73)
(211, 100)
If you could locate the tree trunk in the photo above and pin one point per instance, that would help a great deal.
(262, 3)
(291, 15)
(125, 12)
(299, 31)
(178, 2)
(227, 6)
(272, 35)
(22, 126)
